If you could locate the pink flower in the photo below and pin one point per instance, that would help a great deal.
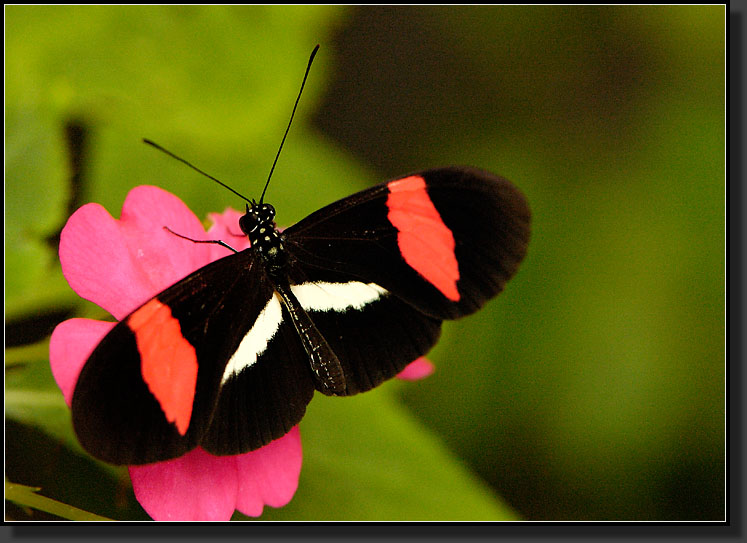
(120, 264)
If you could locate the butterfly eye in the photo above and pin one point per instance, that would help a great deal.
(249, 222)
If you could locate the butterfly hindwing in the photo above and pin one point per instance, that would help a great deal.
(265, 389)
(376, 342)
(373, 333)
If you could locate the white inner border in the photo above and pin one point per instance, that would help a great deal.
(313, 297)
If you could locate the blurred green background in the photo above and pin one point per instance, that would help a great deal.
(591, 389)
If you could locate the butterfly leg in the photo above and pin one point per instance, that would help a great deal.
(216, 241)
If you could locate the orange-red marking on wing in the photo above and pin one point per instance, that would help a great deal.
(167, 361)
(426, 243)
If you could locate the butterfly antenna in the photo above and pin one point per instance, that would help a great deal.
(180, 159)
(308, 67)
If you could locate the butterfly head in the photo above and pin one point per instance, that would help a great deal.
(257, 216)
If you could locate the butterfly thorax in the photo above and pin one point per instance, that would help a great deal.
(259, 225)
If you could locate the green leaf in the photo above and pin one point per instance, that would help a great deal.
(33, 398)
(36, 194)
(365, 458)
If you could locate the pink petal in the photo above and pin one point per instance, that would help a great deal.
(200, 486)
(70, 346)
(120, 264)
(419, 369)
(91, 250)
(196, 486)
(164, 256)
(269, 475)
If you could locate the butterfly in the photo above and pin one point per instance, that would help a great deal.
(228, 357)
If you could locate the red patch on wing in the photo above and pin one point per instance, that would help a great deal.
(168, 362)
(425, 242)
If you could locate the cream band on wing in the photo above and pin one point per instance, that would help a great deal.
(319, 296)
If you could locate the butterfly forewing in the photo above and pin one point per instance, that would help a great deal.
(263, 400)
(445, 241)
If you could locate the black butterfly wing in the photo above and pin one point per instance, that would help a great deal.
(149, 390)
(264, 396)
(437, 245)
(216, 361)
(445, 240)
